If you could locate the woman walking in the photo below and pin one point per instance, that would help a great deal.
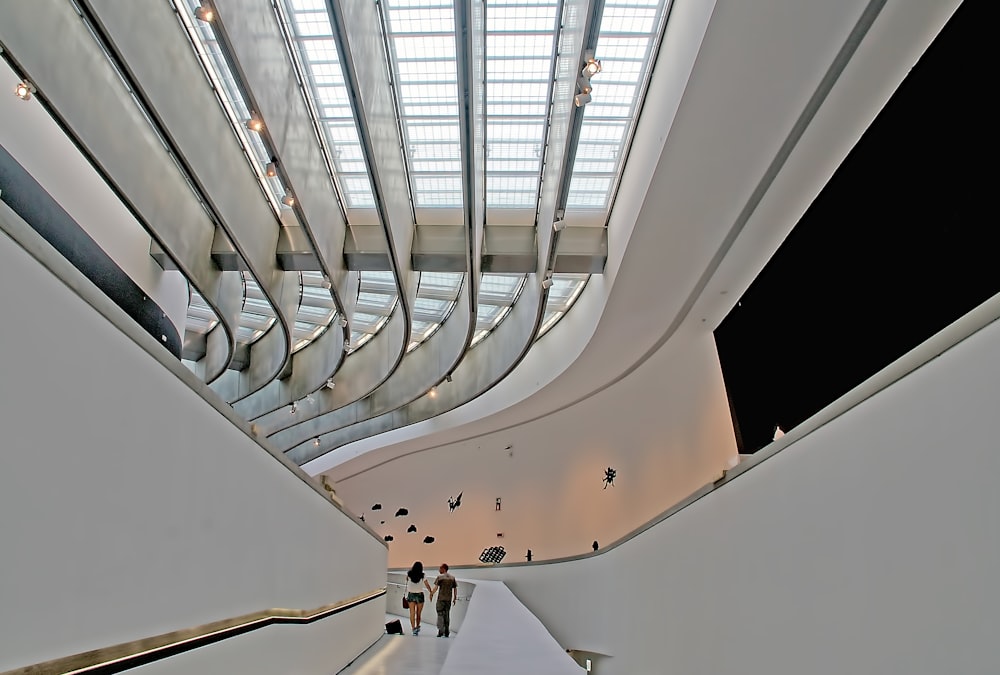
(415, 594)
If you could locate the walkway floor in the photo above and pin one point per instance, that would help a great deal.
(406, 654)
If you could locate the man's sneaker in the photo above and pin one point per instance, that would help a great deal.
(416, 631)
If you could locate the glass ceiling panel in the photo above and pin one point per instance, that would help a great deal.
(257, 316)
(520, 42)
(201, 318)
(497, 292)
(565, 289)
(626, 47)
(436, 296)
(316, 309)
(318, 59)
(376, 300)
(420, 35)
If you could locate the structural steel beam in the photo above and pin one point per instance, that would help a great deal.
(489, 363)
(435, 359)
(53, 47)
(143, 36)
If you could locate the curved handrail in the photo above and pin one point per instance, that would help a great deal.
(136, 653)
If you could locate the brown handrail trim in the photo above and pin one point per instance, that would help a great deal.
(126, 655)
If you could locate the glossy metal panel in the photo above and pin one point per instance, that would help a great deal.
(358, 33)
(146, 36)
(426, 366)
(52, 45)
(251, 30)
(506, 345)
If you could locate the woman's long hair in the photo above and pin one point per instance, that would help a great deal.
(416, 572)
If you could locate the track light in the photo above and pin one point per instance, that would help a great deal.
(288, 199)
(255, 124)
(447, 378)
(559, 225)
(271, 169)
(316, 441)
(294, 409)
(582, 99)
(330, 384)
(24, 90)
(433, 392)
(347, 344)
(547, 281)
(591, 66)
(583, 83)
(343, 321)
(204, 13)
(326, 282)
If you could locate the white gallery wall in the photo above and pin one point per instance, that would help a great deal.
(130, 507)
(665, 430)
(869, 546)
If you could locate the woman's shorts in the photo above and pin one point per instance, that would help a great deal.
(415, 597)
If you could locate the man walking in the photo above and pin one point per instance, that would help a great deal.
(448, 586)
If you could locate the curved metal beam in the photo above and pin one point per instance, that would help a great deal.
(504, 348)
(141, 37)
(357, 31)
(48, 42)
(252, 39)
(428, 365)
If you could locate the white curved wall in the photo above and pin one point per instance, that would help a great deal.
(869, 546)
(130, 507)
(33, 138)
(665, 429)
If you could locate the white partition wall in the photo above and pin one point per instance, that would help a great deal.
(869, 546)
(130, 507)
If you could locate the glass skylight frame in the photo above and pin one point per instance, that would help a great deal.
(627, 44)
(420, 40)
(437, 294)
(313, 47)
(520, 48)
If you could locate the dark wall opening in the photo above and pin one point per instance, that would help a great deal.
(900, 243)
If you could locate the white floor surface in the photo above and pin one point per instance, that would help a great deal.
(405, 654)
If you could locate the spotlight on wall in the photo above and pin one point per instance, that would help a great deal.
(24, 90)
(288, 199)
(582, 99)
(204, 13)
(271, 169)
(255, 124)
